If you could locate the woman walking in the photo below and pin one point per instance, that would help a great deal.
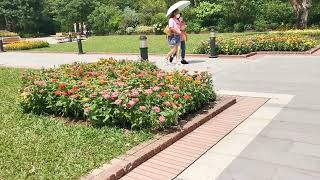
(183, 39)
(174, 37)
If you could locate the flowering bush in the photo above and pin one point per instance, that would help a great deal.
(308, 32)
(7, 34)
(126, 94)
(144, 30)
(264, 42)
(24, 45)
(158, 28)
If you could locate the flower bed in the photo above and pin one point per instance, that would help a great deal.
(125, 94)
(7, 34)
(25, 45)
(266, 42)
(307, 32)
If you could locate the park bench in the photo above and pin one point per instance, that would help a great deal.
(9, 40)
(60, 37)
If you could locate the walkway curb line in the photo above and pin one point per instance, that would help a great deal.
(122, 165)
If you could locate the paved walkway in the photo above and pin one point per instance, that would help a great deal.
(281, 143)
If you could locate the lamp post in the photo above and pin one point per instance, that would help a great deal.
(212, 45)
(143, 47)
(79, 44)
(1, 45)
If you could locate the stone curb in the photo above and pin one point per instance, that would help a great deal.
(122, 165)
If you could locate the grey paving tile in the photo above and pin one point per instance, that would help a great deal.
(302, 132)
(277, 151)
(245, 169)
(284, 173)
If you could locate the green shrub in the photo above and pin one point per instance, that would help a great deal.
(130, 18)
(260, 25)
(7, 34)
(144, 30)
(160, 18)
(238, 27)
(130, 30)
(116, 93)
(265, 42)
(25, 45)
(194, 27)
(105, 19)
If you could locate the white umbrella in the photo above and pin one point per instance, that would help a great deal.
(179, 5)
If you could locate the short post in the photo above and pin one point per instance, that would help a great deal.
(1, 45)
(143, 47)
(70, 37)
(212, 45)
(79, 44)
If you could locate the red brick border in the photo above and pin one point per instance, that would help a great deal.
(122, 165)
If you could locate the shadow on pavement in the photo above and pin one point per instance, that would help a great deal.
(196, 61)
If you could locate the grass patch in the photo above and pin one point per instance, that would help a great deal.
(130, 43)
(37, 147)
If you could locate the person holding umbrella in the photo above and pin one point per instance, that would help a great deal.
(174, 37)
(174, 28)
(183, 39)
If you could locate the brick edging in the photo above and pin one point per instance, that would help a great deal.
(122, 165)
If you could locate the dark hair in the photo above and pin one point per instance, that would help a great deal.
(172, 14)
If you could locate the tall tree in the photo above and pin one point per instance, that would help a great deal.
(301, 8)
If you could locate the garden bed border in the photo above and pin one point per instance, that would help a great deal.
(123, 164)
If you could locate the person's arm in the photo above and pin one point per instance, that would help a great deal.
(172, 27)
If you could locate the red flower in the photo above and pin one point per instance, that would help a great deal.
(62, 85)
(164, 94)
(58, 93)
(187, 97)
(64, 94)
(70, 91)
(177, 96)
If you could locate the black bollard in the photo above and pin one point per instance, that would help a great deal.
(79, 44)
(1, 46)
(143, 48)
(212, 45)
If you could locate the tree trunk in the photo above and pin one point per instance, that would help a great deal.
(301, 8)
(302, 19)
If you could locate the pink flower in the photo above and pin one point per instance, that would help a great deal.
(82, 83)
(161, 74)
(87, 110)
(93, 95)
(162, 84)
(118, 102)
(115, 95)
(40, 83)
(143, 108)
(135, 93)
(162, 119)
(106, 96)
(131, 103)
(135, 100)
(156, 88)
(92, 74)
(157, 109)
(171, 87)
(167, 103)
(148, 91)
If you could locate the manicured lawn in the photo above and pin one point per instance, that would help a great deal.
(130, 44)
(36, 147)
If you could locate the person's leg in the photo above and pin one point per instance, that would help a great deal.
(183, 50)
(178, 53)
